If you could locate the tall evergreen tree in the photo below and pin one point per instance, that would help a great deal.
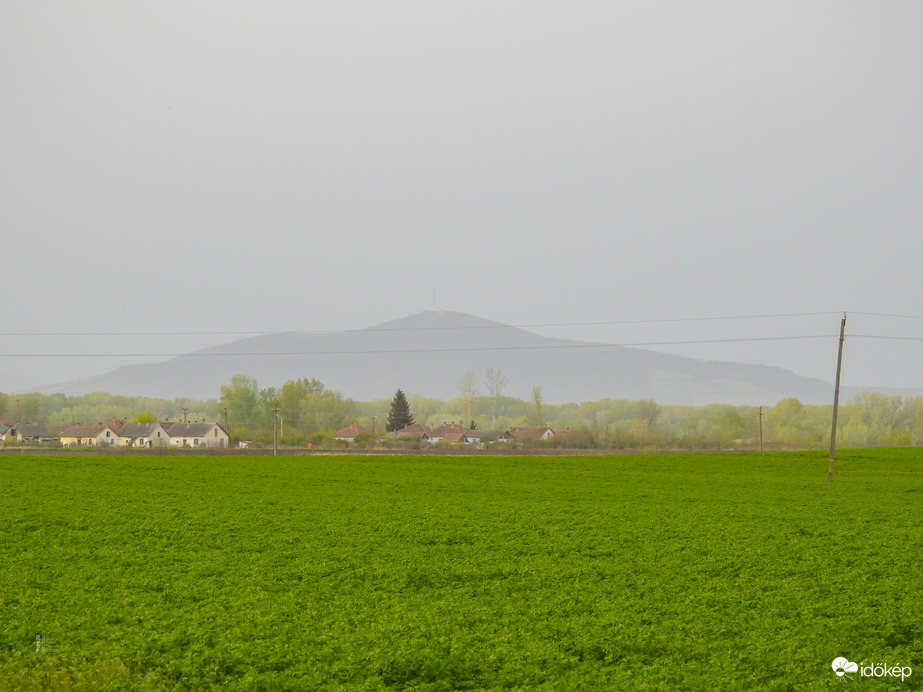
(399, 416)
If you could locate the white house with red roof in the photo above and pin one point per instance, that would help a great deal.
(349, 433)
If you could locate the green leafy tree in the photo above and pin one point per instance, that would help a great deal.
(30, 408)
(241, 398)
(790, 421)
(647, 411)
(330, 410)
(399, 416)
(913, 412)
(268, 407)
(644, 420)
(298, 399)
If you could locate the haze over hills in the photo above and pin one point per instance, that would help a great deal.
(15, 383)
(428, 353)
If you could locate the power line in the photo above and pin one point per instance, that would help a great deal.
(422, 329)
(881, 336)
(201, 354)
(885, 314)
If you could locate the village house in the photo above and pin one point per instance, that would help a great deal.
(448, 432)
(495, 435)
(541, 433)
(456, 438)
(453, 432)
(349, 433)
(414, 431)
(210, 435)
(100, 435)
(149, 435)
(21, 432)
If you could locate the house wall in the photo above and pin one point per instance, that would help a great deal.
(158, 438)
(107, 438)
(218, 438)
(186, 442)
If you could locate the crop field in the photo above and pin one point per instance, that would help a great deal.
(631, 572)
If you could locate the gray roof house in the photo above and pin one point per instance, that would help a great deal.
(143, 435)
(30, 433)
(196, 435)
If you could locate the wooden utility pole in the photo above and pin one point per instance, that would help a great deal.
(761, 428)
(275, 437)
(836, 398)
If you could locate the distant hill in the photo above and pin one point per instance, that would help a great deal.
(15, 383)
(428, 353)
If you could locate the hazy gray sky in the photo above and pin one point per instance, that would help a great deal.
(271, 166)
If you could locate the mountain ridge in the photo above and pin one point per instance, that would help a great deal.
(427, 353)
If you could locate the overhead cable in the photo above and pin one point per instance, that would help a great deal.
(208, 353)
(423, 329)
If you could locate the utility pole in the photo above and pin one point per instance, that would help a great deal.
(275, 438)
(761, 428)
(225, 419)
(836, 398)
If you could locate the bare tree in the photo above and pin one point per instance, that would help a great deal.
(537, 400)
(496, 381)
(468, 390)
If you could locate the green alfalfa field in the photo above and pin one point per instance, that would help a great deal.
(647, 572)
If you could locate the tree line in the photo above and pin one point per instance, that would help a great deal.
(304, 411)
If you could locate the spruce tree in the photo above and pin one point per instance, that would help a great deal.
(399, 416)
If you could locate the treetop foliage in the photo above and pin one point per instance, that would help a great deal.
(304, 410)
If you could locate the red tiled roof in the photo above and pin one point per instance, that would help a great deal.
(416, 429)
(448, 428)
(455, 437)
(350, 431)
